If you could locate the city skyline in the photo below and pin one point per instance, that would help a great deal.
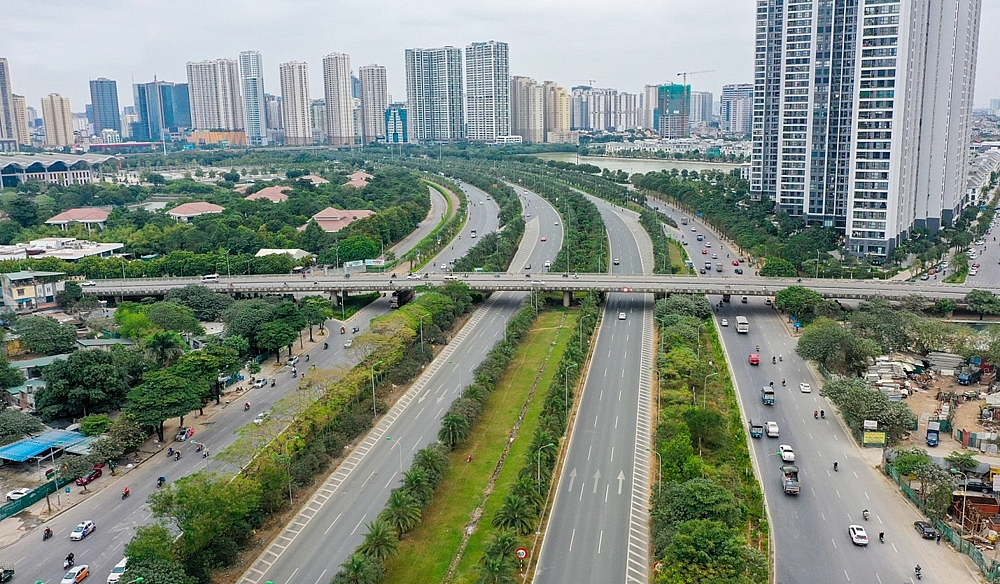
(714, 34)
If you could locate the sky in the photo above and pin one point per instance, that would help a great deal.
(56, 46)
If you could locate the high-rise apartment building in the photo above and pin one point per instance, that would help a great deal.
(596, 108)
(317, 111)
(104, 99)
(434, 97)
(374, 102)
(650, 104)
(7, 130)
(396, 128)
(527, 109)
(339, 99)
(163, 107)
(557, 112)
(737, 108)
(19, 107)
(216, 103)
(673, 106)
(295, 103)
(58, 120)
(862, 111)
(487, 91)
(701, 107)
(252, 84)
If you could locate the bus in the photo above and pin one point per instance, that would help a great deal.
(742, 324)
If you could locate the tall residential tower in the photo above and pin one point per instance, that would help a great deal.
(339, 99)
(434, 98)
(295, 103)
(58, 120)
(487, 91)
(254, 112)
(216, 103)
(104, 98)
(374, 102)
(737, 108)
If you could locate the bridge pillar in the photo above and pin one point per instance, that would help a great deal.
(335, 298)
(345, 296)
(567, 298)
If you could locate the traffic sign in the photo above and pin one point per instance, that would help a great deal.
(657, 566)
(625, 289)
(521, 553)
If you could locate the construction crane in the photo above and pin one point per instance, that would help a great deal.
(590, 82)
(684, 102)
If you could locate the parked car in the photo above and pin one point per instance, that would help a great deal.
(736, 263)
(260, 382)
(82, 530)
(738, 271)
(117, 571)
(926, 530)
(86, 480)
(17, 493)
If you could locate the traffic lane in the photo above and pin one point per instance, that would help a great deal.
(483, 218)
(591, 511)
(830, 501)
(624, 248)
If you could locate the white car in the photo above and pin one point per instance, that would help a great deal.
(621, 316)
(412, 277)
(771, 429)
(858, 535)
(349, 343)
(805, 388)
(260, 418)
(76, 574)
(537, 283)
(787, 454)
(117, 571)
(725, 322)
(88, 283)
(17, 493)
(83, 530)
(556, 223)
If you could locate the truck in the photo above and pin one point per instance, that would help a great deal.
(756, 429)
(933, 433)
(767, 395)
(400, 297)
(970, 375)
(790, 479)
(742, 324)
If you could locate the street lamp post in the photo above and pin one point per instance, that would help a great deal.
(538, 470)
(374, 409)
(288, 469)
(566, 389)
(704, 390)
(421, 319)
(699, 340)
(659, 476)
(400, 444)
(965, 496)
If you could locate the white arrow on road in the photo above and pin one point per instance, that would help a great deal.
(621, 479)
(597, 479)
(423, 397)
(440, 398)
(572, 477)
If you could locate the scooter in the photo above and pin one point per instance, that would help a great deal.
(160, 481)
(272, 383)
(68, 563)
(822, 414)
(46, 534)
(177, 455)
(170, 451)
(326, 346)
(246, 406)
(815, 414)
(125, 493)
(198, 448)
(865, 514)
(917, 572)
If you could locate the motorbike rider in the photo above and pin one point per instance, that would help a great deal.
(47, 533)
(125, 492)
(773, 360)
(822, 413)
(834, 465)
(71, 561)
(865, 513)
(246, 406)
(782, 382)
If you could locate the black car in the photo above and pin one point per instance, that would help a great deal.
(926, 530)
(739, 271)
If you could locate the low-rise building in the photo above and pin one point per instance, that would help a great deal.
(333, 220)
(89, 217)
(61, 169)
(359, 179)
(275, 194)
(69, 249)
(297, 254)
(30, 290)
(188, 211)
(103, 344)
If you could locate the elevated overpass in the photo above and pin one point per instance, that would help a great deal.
(552, 282)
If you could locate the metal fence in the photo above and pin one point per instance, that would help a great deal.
(35, 495)
(990, 568)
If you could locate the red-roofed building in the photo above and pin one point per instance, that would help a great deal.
(275, 194)
(333, 220)
(88, 216)
(188, 211)
(316, 180)
(359, 179)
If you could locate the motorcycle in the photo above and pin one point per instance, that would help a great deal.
(46, 534)
(774, 361)
(170, 451)
(199, 448)
(835, 465)
(246, 406)
(822, 414)
(326, 346)
(917, 572)
(125, 493)
(68, 563)
(177, 455)
(160, 481)
(307, 358)
(815, 414)
(865, 514)
(272, 383)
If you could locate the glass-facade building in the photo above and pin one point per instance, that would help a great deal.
(104, 99)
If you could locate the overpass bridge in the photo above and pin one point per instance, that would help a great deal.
(334, 285)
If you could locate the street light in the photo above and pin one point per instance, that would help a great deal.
(965, 495)
(538, 470)
(704, 390)
(421, 319)
(699, 340)
(288, 469)
(389, 438)
(374, 410)
(566, 389)
(659, 476)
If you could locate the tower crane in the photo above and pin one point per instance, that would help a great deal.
(684, 81)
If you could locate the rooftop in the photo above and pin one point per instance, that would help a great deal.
(316, 180)
(297, 254)
(31, 275)
(23, 161)
(332, 220)
(275, 194)
(82, 215)
(195, 209)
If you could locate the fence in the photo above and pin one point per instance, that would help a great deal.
(990, 568)
(35, 495)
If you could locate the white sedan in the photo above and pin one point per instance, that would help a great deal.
(17, 493)
(621, 316)
(725, 322)
(805, 388)
(858, 535)
(787, 454)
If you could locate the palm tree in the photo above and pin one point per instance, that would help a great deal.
(164, 347)
(432, 460)
(417, 484)
(358, 569)
(454, 429)
(526, 488)
(496, 570)
(380, 543)
(502, 544)
(401, 512)
(515, 514)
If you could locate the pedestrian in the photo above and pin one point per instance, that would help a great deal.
(939, 539)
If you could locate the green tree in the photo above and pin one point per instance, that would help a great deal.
(206, 304)
(313, 239)
(515, 514)
(68, 298)
(174, 317)
(275, 335)
(86, 382)
(704, 551)
(945, 306)
(164, 347)
(73, 467)
(151, 545)
(94, 424)
(454, 430)
(10, 376)
(778, 268)
(126, 430)
(163, 394)
(401, 512)
(963, 461)
(358, 569)
(982, 302)
(15, 425)
(238, 343)
(697, 498)
(315, 310)
(380, 542)
(496, 570)
(46, 336)
(417, 484)
(797, 300)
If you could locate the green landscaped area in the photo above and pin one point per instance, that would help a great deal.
(354, 303)
(677, 258)
(426, 553)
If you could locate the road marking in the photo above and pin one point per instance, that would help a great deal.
(623, 377)
(621, 479)
(877, 578)
(420, 412)
(894, 547)
(607, 490)
(612, 454)
(597, 479)
(602, 393)
(847, 575)
(589, 450)
(600, 541)
(368, 479)
(605, 371)
(571, 538)
(332, 524)
(619, 395)
(572, 477)
(353, 531)
(595, 419)
(616, 422)
(834, 543)
(320, 579)
(583, 487)
(417, 443)
(390, 481)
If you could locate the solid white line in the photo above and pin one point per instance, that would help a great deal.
(292, 576)
(571, 538)
(359, 524)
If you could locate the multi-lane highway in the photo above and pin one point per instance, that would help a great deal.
(330, 526)
(598, 528)
(810, 530)
(117, 519)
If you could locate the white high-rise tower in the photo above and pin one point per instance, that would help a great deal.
(487, 91)
(214, 92)
(374, 102)
(339, 100)
(254, 113)
(295, 103)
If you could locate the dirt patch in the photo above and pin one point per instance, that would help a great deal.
(925, 405)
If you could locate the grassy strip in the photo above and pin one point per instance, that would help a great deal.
(445, 231)
(707, 488)
(651, 222)
(425, 554)
(679, 257)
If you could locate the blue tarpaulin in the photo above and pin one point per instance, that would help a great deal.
(23, 450)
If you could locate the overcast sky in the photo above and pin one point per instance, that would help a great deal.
(56, 46)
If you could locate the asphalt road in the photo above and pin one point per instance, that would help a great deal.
(332, 524)
(438, 208)
(598, 527)
(117, 519)
(810, 529)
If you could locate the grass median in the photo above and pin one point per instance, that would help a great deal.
(426, 553)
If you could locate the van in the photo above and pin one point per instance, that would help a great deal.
(117, 571)
(210, 278)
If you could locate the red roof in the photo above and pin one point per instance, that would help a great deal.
(275, 194)
(332, 220)
(195, 209)
(83, 215)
